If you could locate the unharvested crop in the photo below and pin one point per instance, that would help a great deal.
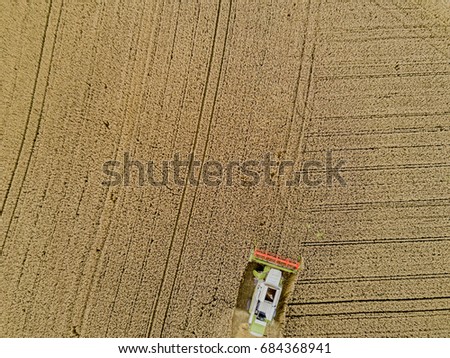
(87, 81)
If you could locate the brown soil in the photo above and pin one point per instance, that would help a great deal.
(86, 81)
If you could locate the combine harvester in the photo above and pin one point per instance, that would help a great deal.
(269, 283)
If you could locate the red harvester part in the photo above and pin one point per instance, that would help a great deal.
(276, 260)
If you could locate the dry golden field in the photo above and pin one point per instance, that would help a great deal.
(86, 81)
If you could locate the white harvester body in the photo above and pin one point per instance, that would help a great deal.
(267, 293)
(264, 302)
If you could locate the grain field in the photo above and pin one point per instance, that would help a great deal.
(85, 82)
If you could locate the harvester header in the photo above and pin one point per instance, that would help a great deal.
(275, 261)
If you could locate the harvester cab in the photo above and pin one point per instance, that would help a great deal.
(267, 293)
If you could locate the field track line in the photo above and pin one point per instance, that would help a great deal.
(85, 106)
(295, 111)
(141, 195)
(297, 83)
(304, 113)
(346, 30)
(36, 134)
(124, 196)
(366, 168)
(147, 249)
(405, 37)
(333, 280)
(130, 239)
(16, 163)
(412, 203)
(35, 137)
(142, 107)
(369, 313)
(378, 132)
(398, 9)
(205, 147)
(383, 75)
(294, 105)
(18, 59)
(152, 318)
(379, 147)
(113, 210)
(385, 115)
(377, 241)
(384, 334)
(368, 300)
(215, 195)
(30, 107)
(86, 101)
